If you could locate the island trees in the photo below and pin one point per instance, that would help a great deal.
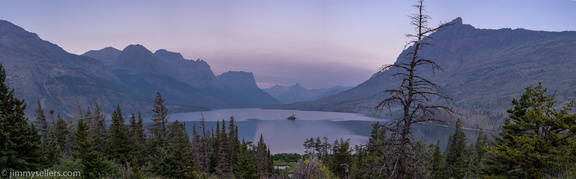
(414, 96)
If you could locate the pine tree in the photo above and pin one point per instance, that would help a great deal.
(341, 159)
(94, 163)
(20, 146)
(63, 138)
(246, 167)
(44, 128)
(456, 159)
(53, 152)
(478, 155)
(158, 143)
(179, 161)
(438, 162)
(377, 138)
(132, 128)
(262, 157)
(372, 156)
(480, 145)
(196, 147)
(138, 140)
(270, 162)
(98, 128)
(203, 147)
(419, 160)
(215, 146)
(533, 138)
(88, 116)
(158, 128)
(118, 144)
(233, 142)
(223, 167)
(41, 123)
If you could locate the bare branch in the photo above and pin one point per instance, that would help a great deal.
(415, 94)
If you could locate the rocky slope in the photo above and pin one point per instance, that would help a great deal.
(40, 70)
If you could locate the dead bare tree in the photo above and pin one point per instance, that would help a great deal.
(415, 96)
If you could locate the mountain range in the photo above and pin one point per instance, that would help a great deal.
(297, 93)
(483, 70)
(40, 70)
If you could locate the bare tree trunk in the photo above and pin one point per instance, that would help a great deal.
(414, 95)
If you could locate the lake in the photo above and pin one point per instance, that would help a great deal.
(284, 136)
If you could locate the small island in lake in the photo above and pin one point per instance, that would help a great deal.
(292, 117)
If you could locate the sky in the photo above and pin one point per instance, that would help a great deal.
(317, 43)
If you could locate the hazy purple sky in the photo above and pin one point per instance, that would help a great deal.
(319, 43)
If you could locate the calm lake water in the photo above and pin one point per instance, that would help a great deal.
(284, 136)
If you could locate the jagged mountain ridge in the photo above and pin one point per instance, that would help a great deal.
(483, 71)
(194, 72)
(62, 81)
(139, 69)
(297, 93)
(40, 70)
(185, 81)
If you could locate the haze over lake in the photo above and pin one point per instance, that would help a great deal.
(284, 136)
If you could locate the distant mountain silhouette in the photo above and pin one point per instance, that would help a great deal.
(107, 55)
(245, 84)
(62, 81)
(297, 93)
(483, 71)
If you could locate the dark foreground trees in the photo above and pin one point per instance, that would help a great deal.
(93, 164)
(414, 96)
(128, 151)
(20, 147)
(536, 140)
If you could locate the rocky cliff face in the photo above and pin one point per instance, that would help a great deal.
(193, 72)
(245, 84)
(483, 71)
